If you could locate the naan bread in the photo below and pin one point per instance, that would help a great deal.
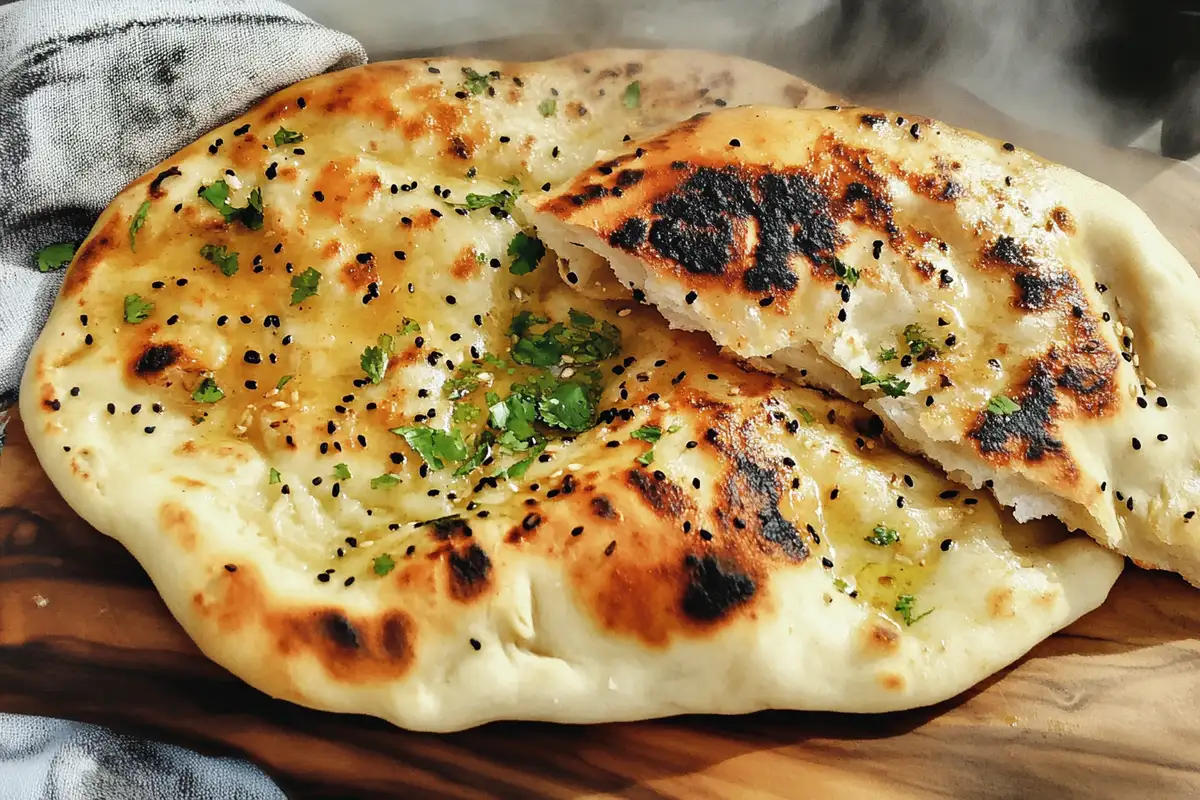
(1024, 326)
(279, 439)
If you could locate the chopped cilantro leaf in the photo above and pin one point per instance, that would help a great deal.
(847, 273)
(305, 285)
(434, 445)
(918, 343)
(466, 412)
(284, 136)
(384, 481)
(568, 407)
(218, 197)
(481, 258)
(274, 476)
(283, 381)
(887, 354)
(527, 252)
(524, 321)
(374, 360)
(514, 414)
(410, 326)
(882, 536)
(891, 385)
(503, 199)
(383, 564)
(646, 458)
(460, 387)
(135, 225)
(341, 472)
(904, 604)
(675, 429)
(547, 107)
(252, 214)
(586, 341)
(483, 449)
(207, 392)
(648, 433)
(55, 256)
(136, 309)
(1002, 406)
(217, 254)
(805, 415)
(519, 469)
(475, 82)
(841, 585)
(632, 98)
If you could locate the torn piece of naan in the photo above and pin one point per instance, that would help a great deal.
(1024, 326)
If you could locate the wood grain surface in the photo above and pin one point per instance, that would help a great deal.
(1105, 709)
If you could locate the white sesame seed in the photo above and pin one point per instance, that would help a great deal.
(624, 312)
(233, 181)
(574, 467)
(568, 372)
(366, 543)
(279, 404)
(1136, 359)
(1151, 384)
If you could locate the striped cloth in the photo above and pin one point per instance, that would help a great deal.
(92, 94)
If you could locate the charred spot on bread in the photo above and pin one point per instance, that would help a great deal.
(714, 589)
(155, 358)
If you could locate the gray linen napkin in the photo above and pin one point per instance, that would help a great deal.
(92, 94)
(95, 92)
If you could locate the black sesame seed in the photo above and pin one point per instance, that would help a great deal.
(252, 357)
(690, 298)
(1136, 444)
(323, 577)
(149, 429)
(946, 544)
(251, 385)
(1162, 437)
(826, 562)
(1009, 146)
(1161, 401)
(766, 301)
(111, 408)
(900, 501)
(734, 143)
(833, 495)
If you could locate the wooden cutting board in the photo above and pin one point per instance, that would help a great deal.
(1105, 709)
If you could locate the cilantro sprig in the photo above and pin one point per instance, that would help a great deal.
(1002, 406)
(374, 360)
(135, 224)
(527, 251)
(891, 385)
(207, 391)
(284, 136)
(217, 254)
(305, 285)
(136, 309)
(435, 446)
